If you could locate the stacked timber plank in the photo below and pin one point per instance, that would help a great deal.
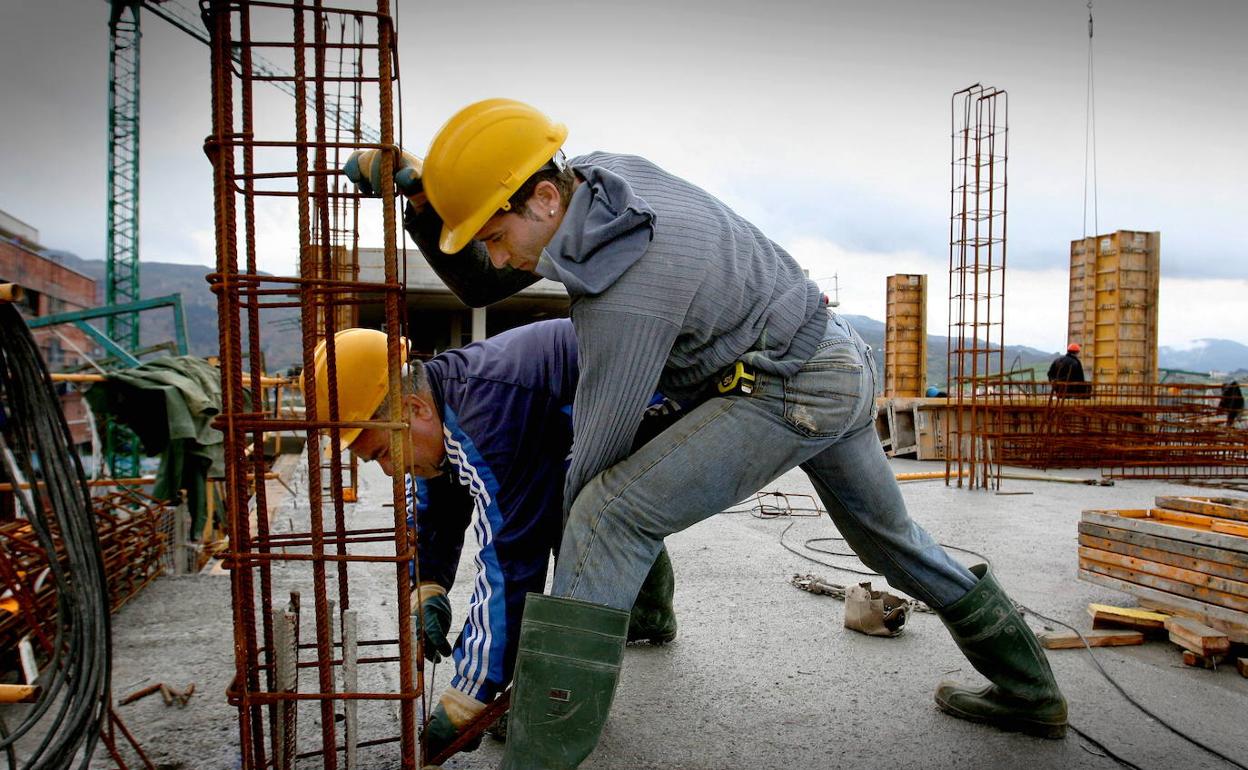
(1187, 556)
(1202, 646)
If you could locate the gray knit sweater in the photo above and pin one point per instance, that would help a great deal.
(668, 287)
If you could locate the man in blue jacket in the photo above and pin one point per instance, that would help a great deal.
(490, 429)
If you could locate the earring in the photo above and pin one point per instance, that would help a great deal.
(552, 212)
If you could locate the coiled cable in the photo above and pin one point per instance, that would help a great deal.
(36, 446)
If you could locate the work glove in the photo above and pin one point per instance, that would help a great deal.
(875, 613)
(452, 714)
(363, 168)
(436, 609)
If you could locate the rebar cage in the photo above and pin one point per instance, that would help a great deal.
(979, 151)
(339, 63)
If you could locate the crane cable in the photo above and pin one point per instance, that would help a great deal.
(1089, 140)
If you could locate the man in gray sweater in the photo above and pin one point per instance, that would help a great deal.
(673, 291)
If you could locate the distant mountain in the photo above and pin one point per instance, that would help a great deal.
(199, 304)
(1223, 359)
(1016, 356)
(1207, 355)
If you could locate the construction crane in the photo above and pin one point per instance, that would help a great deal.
(121, 272)
(121, 266)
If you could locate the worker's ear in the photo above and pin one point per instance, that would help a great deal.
(419, 405)
(545, 198)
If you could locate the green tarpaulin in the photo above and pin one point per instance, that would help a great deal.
(169, 403)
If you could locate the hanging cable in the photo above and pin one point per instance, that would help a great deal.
(35, 446)
(1089, 140)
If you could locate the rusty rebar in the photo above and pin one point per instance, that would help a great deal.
(326, 290)
(979, 118)
(1129, 430)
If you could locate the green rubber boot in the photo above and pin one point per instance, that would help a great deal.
(653, 619)
(1023, 696)
(566, 671)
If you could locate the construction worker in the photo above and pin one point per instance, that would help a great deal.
(490, 431)
(1231, 402)
(673, 291)
(1066, 374)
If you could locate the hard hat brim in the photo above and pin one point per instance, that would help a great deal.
(348, 436)
(454, 239)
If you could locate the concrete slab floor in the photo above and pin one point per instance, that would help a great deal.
(762, 674)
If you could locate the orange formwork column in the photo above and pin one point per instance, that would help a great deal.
(905, 336)
(1114, 292)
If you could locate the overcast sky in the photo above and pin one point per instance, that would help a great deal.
(826, 123)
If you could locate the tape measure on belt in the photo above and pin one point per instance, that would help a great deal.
(737, 378)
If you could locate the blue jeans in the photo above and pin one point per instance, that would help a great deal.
(821, 418)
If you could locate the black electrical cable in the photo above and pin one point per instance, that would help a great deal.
(1130, 699)
(9, 752)
(35, 445)
(1108, 753)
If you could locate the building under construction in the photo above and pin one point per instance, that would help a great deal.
(307, 629)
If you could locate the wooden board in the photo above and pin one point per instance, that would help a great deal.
(1139, 521)
(1103, 565)
(1105, 616)
(1226, 527)
(1196, 578)
(1197, 637)
(1235, 624)
(1067, 640)
(1211, 568)
(1200, 661)
(1241, 665)
(1218, 561)
(1232, 508)
(1189, 520)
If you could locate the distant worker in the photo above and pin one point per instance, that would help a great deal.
(490, 428)
(1232, 402)
(1066, 374)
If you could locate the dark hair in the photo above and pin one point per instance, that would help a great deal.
(564, 179)
(415, 382)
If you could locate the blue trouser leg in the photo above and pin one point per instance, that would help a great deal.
(729, 447)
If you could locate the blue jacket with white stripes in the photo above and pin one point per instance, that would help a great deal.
(505, 404)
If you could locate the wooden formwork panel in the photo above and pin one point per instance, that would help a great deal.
(1114, 287)
(1187, 555)
(905, 336)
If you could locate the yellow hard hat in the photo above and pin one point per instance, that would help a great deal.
(362, 374)
(480, 158)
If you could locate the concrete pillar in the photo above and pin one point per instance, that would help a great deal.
(351, 683)
(478, 324)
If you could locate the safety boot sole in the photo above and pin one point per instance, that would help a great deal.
(1039, 728)
(655, 640)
